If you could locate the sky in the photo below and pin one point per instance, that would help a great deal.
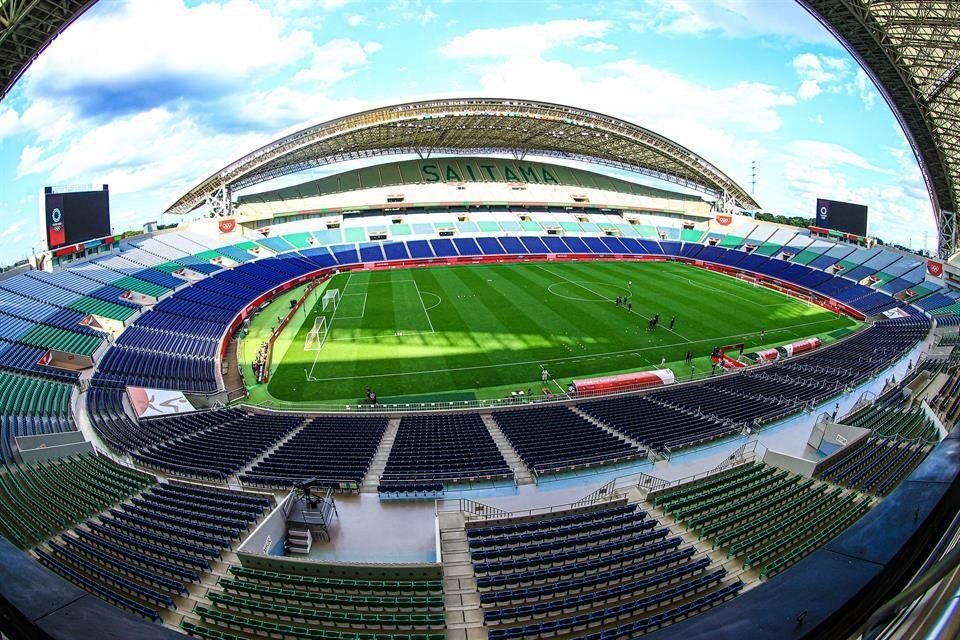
(151, 96)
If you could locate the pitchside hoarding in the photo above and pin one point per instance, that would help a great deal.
(842, 216)
(73, 217)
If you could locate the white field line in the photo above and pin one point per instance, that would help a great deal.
(362, 310)
(590, 356)
(557, 275)
(748, 301)
(333, 315)
(425, 312)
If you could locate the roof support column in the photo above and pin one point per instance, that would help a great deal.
(947, 224)
(218, 202)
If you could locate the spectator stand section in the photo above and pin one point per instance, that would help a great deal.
(217, 452)
(597, 569)
(434, 452)
(41, 499)
(689, 415)
(555, 439)
(337, 450)
(269, 596)
(155, 552)
(768, 517)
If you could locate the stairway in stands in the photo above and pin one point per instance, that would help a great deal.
(372, 479)
(609, 429)
(460, 593)
(234, 479)
(520, 471)
(232, 378)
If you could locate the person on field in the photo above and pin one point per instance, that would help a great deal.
(673, 321)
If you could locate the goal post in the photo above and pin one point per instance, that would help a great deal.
(317, 335)
(330, 300)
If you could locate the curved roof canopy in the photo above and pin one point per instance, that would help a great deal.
(911, 50)
(473, 125)
(27, 27)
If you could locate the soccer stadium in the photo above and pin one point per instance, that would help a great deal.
(485, 381)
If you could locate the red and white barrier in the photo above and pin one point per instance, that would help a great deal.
(624, 381)
(796, 348)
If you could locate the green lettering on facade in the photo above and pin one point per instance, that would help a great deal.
(430, 173)
(473, 178)
(453, 175)
(548, 177)
(509, 174)
(489, 169)
(529, 174)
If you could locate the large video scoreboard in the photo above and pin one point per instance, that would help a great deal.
(72, 217)
(842, 216)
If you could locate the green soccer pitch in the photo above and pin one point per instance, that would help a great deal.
(483, 331)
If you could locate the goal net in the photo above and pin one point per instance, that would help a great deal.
(330, 300)
(317, 335)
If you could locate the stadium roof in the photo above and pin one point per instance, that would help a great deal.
(26, 28)
(458, 170)
(911, 50)
(469, 126)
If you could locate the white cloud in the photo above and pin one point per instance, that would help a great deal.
(730, 18)
(865, 89)
(292, 6)
(215, 42)
(819, 73)
(524, 41)
(356, 20)
(598, 47)
(13, 229)
(337, 60)
(146, 152)
(827, 74)
(9, 121)
(815, 153)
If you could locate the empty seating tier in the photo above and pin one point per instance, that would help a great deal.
(402, 607)
(221, 450)
(115, 426)
(556, 438)
(770, 517)
(655, 424)
(337, 450)
(873, 464)
(144, 554)
(31, 406)
(912, 424)
(41, 499)
(605, 566)
(431, 450)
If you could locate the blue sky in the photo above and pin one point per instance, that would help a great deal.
(150, 96)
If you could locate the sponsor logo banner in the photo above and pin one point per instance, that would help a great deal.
(226, 225)
(934, 268)
(724, 219)
(158, 402)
